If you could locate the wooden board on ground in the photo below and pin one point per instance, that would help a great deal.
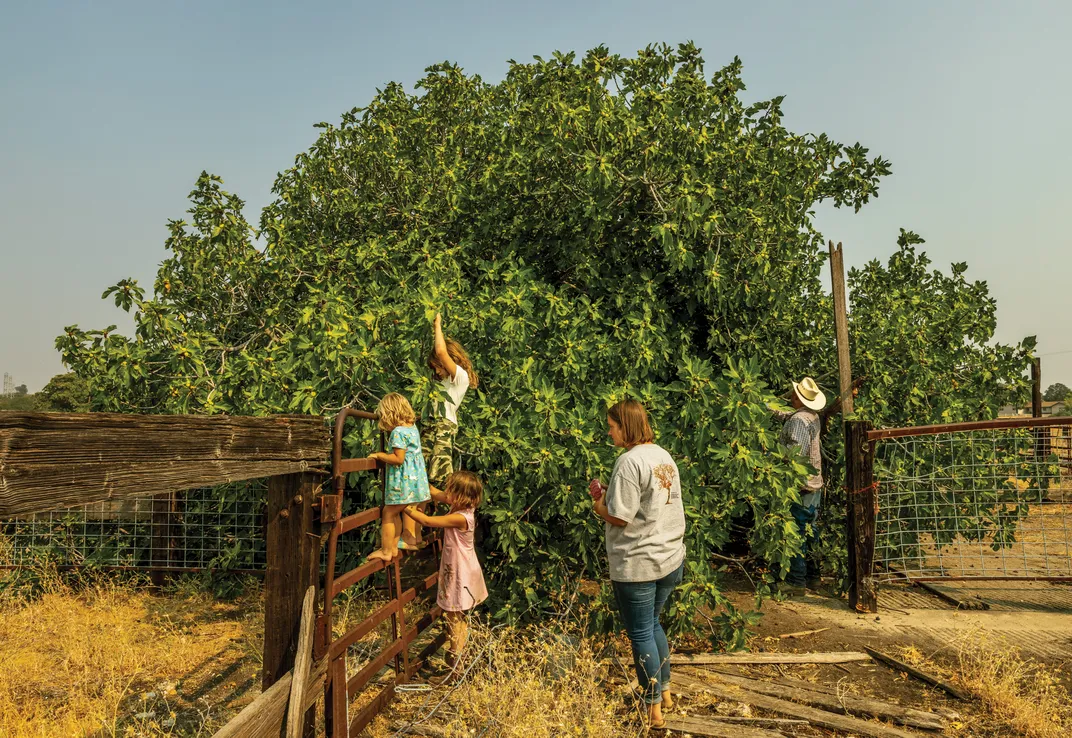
(55, 460)
(715, 728)
(819, 718)
(804, 633)
(846, 703)
(921, 675)
(833, 657)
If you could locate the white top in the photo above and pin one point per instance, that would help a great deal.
(455, 389)
(645, 492)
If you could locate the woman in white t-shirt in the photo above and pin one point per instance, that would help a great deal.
(645, 530)
(455, 373)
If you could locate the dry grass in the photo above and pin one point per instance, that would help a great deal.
(86, 659)
(1018, 696)
(522, 684)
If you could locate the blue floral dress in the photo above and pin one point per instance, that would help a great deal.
(407, 484)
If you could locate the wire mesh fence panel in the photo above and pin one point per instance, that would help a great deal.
(220, 529)
(993, 503)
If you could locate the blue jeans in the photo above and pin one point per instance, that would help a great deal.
(806, 513)
(640, 604)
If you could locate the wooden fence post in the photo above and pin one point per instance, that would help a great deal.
(162, 544)
(1042, 435)
(841, 327)
(862, 511)
(293, 552)
(1036, 387)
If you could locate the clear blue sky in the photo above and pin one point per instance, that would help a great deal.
(109, 110)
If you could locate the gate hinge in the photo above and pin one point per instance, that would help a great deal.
(330, 508)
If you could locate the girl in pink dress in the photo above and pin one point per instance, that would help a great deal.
(461, 580)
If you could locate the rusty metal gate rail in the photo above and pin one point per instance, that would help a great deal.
(342, 687)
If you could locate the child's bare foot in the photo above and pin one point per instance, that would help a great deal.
(668, 701)
(379, 555)
(410, 541)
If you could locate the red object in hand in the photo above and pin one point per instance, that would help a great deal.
(596, 489)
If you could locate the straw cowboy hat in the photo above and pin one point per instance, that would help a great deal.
(810, 394)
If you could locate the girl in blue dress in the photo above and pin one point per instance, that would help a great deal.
(407, 479)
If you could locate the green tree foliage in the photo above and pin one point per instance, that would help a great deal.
(1056, 392)
(924, 341)
(64, 393)
(590, 227)
(17, 401)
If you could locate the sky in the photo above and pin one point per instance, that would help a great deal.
(110, 110)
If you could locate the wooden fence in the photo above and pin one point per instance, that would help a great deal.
(56, 460)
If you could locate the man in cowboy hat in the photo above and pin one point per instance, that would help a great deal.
(801, 433)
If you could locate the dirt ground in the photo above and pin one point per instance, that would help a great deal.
(926, 631)
(181, 664)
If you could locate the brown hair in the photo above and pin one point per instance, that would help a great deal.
(457, 353)
(631, 417)
(394, 410)
(465, 487)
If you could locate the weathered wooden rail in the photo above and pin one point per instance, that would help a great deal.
(55, 460)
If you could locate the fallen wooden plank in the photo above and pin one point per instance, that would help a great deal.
(966, 604)
(833, 657)
(424, 730)
(804, 684)
(759, 722)
(803, 633)
(944, 712)
(820, 718)
(918, 674)
(263, 716)
(716, 728)
(844, 703)
(56, 460)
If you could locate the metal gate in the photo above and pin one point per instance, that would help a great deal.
(341, 686)
(988, 500)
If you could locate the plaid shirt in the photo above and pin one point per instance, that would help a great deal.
(801, 431)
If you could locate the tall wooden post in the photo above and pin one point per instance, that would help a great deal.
(841, 325)
(1042, 435)
(861, 513)
(293, 550)
(1036, 387)
(162, 544)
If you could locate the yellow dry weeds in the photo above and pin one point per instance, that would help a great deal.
(1019, 696)
(522, 684)
(74, 661)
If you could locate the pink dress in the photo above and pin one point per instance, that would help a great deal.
(461, 581)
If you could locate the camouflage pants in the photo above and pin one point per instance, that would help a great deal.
(437, 445)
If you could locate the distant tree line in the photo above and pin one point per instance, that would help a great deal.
(64, 393)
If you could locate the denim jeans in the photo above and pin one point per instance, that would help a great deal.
(640, 604)
(806, 513)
